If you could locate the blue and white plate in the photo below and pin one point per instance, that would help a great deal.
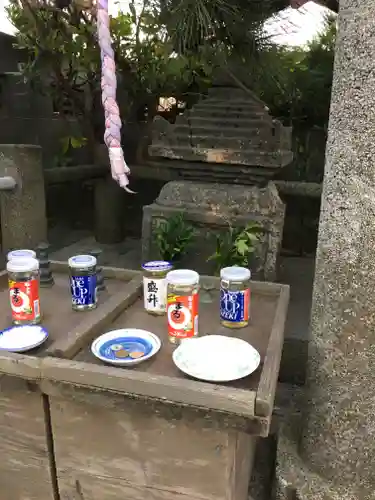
(216, 358)
(126, 347)
(22, 338)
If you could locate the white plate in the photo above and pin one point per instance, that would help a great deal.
(22, 338)
(110, 346)
(215, 358)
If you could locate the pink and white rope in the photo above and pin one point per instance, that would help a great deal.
(112, 136)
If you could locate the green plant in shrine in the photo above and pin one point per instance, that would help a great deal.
(173, 237)
(235, 246)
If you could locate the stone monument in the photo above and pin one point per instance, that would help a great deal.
(333, 455)
(226, 148)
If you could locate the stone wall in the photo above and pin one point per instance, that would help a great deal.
(9, 56)
(26, 117)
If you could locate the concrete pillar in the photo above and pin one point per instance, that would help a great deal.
(334, 456)
(23, 210)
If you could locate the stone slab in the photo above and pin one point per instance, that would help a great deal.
(267, 159)
(183, 130)
(126, 255)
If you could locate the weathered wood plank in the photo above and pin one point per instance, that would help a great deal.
(268, 380)
(24, 466)
(19, 365)
(75, 339)
(242, 466)
(137, 453)
(170, 410)
(130, 382)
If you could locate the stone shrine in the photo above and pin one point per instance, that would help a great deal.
(228, 147)
(228, 137)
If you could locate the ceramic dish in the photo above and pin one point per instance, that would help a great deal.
(215, 358)
(22, 338)
(126, 347)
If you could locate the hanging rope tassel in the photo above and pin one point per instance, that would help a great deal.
(112, 136)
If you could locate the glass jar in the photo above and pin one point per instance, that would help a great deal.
(155, 286)
(23, 282)
(182, 304)
(235, 296)
(82, 269)
(21, 254)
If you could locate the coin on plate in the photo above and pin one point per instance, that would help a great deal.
(136, 354)
(121, 354)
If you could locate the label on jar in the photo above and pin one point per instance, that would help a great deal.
(182, 316)
(83, 290)
(155, 294)
(24, 300)
(234, 306)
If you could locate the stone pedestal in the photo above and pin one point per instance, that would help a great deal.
(23, 210)
(211, 208)
(334, 455)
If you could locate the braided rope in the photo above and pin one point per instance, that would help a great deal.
(112, 135)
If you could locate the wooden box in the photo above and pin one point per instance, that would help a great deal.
(151, 433)
(27, 463)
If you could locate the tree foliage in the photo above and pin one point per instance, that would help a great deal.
(171, 48)
(146, 60)
(62, 56)
(296, 84)
(64, 59)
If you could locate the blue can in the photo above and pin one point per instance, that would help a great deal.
(83, 282)
(235, 296)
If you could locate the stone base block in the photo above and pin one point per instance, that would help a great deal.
(212, 209)
(295, 479)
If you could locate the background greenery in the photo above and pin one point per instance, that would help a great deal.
(172, 48)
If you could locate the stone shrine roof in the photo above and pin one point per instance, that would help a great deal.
(231, 128)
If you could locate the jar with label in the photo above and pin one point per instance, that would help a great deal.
(182, 304)
(23, 281)
(21, 254)
(155, 286)
(235, 296)
(82, 270)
